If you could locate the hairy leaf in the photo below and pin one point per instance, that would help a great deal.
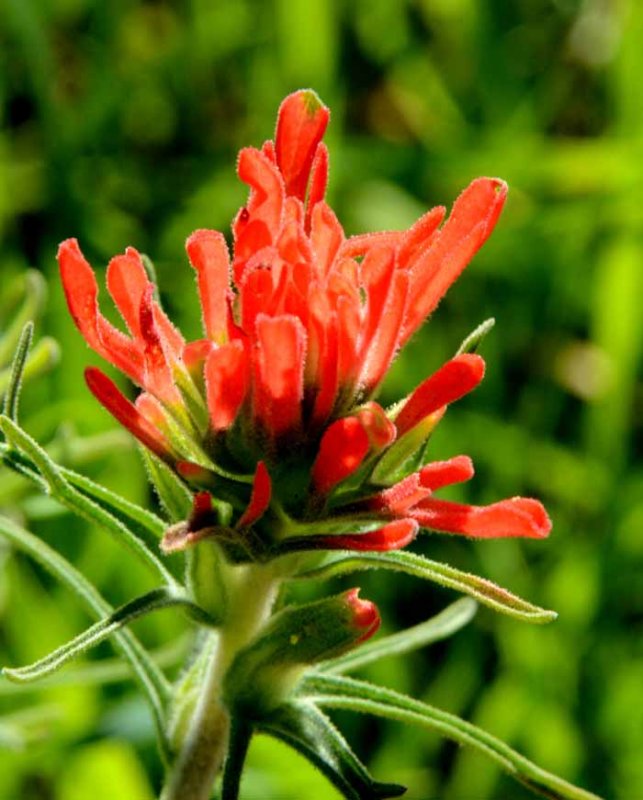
(152, 601)
(339, 692)
(481, 589)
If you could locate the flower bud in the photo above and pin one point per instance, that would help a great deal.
(264, 673)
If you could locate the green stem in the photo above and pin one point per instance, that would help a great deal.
(240, 735)
(251, 597)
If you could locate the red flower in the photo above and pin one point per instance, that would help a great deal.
(300, 327)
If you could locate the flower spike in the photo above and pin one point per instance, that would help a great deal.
(275, 450)
(300, 328)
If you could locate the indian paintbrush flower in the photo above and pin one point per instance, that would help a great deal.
(272, 410)
(269, 452)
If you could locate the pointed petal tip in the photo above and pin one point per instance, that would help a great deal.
(259, 499)
(473, 362)
(126, 413)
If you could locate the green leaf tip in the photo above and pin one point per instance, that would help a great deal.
(474, 339)
(312, 101)
(12, 396)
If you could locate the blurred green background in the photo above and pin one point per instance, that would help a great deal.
(120, 125)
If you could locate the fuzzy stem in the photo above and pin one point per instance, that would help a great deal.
(205, 744)
(240, 735)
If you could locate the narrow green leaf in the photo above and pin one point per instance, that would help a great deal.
(306, 729)
(12, 395)
(155, 600)
(334, 691)
(140, 521)
(143, 523)
(150, 677)
(174, 495)
(474, 339)
(481, 589)
(22, 465)
(62, 490)
(103, 672)
(444, 624)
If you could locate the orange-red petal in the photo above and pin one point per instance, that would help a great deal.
(301, 123)
(393, 536)
(318, 181)
(81, 291)
(208, 254)
(470, 223)
(342, 449)
(401, 496)
(226, 381)
(130, 417)
(259, 498)
(451, 382)
(444, 473)
(158, 377)
(279, 372)
(518, 516)
(326, 237)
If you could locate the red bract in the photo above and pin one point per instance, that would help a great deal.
(300, 326)
(365, 615)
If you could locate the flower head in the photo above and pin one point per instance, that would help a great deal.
(272, 411)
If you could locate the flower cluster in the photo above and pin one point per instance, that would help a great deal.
(271, 412)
